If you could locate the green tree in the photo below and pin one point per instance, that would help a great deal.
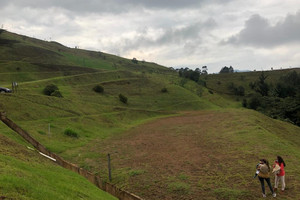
(261, 86)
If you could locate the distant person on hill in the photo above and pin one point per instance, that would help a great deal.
(278, 169)
(264, 174)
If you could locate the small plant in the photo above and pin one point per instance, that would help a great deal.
(98, 89)
(164, 90)
(183, 177)
(42, 132)
(136, 172)
(123, 98)
(179, 188)
(56, 93)
(71, 133)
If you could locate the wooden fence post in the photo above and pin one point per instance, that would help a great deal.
(109, 167)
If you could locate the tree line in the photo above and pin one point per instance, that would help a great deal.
(279, 100)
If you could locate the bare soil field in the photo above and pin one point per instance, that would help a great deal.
(199, 155)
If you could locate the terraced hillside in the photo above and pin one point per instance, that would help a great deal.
(173, 139)
(34, 64)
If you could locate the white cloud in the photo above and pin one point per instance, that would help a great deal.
(171, 33)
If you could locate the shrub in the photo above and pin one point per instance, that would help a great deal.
(56, 93)
(254, 102)
(244, 103)
(42, 132)
(202, 82)
(71, 133)
(164, 90)
(240, 91)
(49, 89)
(98, 89)
(136, 172)
(123, 98)
(134, 60)
(252, 85)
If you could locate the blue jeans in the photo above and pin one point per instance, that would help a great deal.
(263, 184)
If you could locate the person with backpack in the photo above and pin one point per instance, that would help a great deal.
(264, 174)
(280, 173)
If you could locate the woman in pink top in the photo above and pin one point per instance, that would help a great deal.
(281, 175)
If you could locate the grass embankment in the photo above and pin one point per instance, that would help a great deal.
(27, 175)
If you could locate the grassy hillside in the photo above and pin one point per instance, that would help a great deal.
(76, 72)
(164, 141)
(27, 175)
(34, 64)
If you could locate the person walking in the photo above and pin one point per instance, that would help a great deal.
(279, 174)
(264, 174)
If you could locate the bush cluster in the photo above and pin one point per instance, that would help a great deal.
(71, 133)
(52, 90)
(236, 90)
(164, 90)
(98, 89)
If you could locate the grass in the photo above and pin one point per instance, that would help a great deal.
(179, 188)
(214, 155)
(231, 194)
(27, 175)
(135, 172)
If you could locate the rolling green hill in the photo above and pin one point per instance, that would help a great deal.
(34, 64)
(209, 117)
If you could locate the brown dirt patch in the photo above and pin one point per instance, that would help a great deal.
(184, 157)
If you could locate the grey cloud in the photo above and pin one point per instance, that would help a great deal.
(189, 37)
(113, 6)
(190, 32)
(260, 33)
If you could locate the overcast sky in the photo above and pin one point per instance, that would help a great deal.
(246, 34)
